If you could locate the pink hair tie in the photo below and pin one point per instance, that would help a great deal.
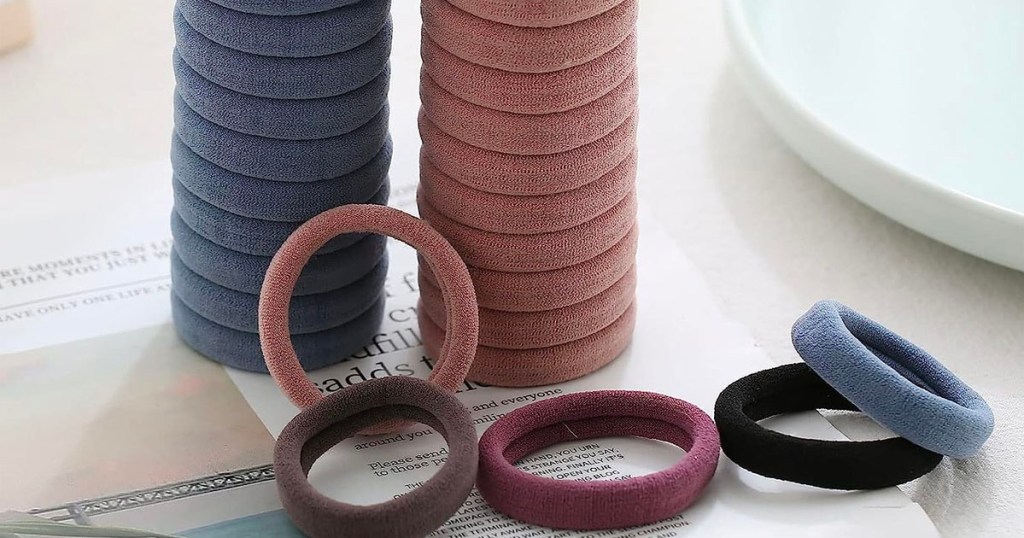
(503, 213)
(529, 93)
(599, 504)
(527, 50)
(462, 322)
(538, 252)
(526, 175)
(524, 134)
(535, 13)
(543, 366)
(546, 290)
(532, 330)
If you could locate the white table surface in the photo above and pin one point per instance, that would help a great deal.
(771, 236)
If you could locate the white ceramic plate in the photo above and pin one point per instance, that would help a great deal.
(916, 107)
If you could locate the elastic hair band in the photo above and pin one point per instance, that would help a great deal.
(244, 272)
(893, 381)
(845, 465)
(417, 512)
(538, 252)
(456, 287)
(316, 34)
(529, 93)
(542, 366)
(599, 504)
(284, 7)
(527, 215)
(535, 13)
(527, 50)
(523, 134)
(547, 290)
(283, 78)
(526, 175)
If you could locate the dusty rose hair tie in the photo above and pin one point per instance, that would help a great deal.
(542, 366)
(503, 213)
(535, 13)
(341, 415)
(524, 134)
(538, 252)
(526, 175)
(527, 50)
(529, 93)
(545, 290)
(462, 323)
(599, 504)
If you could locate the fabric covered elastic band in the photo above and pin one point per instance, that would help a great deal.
(893, 381)
(457, 288)
(535, 13)
(342, 414)
(845, 465)
(599, 504)
(283, 7)
(527, 50)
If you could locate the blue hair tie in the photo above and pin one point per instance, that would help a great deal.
(283, 7)
(893, 381)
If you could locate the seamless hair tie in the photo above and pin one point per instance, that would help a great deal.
(282, 160)
(244, 272)
(503, 213)
(283, 78)
(526, 175)
(598, 504)
(535, 13)
(289, 119)
(251, 236)
(532, 330)
(538, 252)
(845, 465)
(457, 288)
(239, 349)
(281, 201)
(529, 93)
(315, 34)
(547, 290)
(543, 366)
(309, 313)
(527, 50)
(523, 134)
(283, 7)
(893, 381)
(342, 414)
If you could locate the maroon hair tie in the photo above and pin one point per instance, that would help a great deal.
(347, 412)
(601, 504)
(535, 13)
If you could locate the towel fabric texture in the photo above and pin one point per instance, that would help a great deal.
(535, 13)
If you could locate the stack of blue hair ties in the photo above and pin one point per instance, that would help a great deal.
(280, 113)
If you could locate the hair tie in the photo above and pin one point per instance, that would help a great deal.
(523, 134)
(529, 93)
(284, 7)
(527, 50)
(456, 287)
(287, 119)
(893, 381)
(603, 504)
(525, 215)
(315, 34)
(847, 465)
(526, 175)
(244, 272)
(283, 78)
(543, 366)
(535, 13)
(344, 413)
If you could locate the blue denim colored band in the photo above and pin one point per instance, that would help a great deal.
(308, 313)
(241, 350)
(315, 34)
(290, 119)
(283, 78)
(893, 381)
(284, 7)
(244, 272)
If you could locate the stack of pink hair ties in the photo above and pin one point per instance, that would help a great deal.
(528, 167)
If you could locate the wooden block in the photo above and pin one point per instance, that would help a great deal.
(15, 24)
